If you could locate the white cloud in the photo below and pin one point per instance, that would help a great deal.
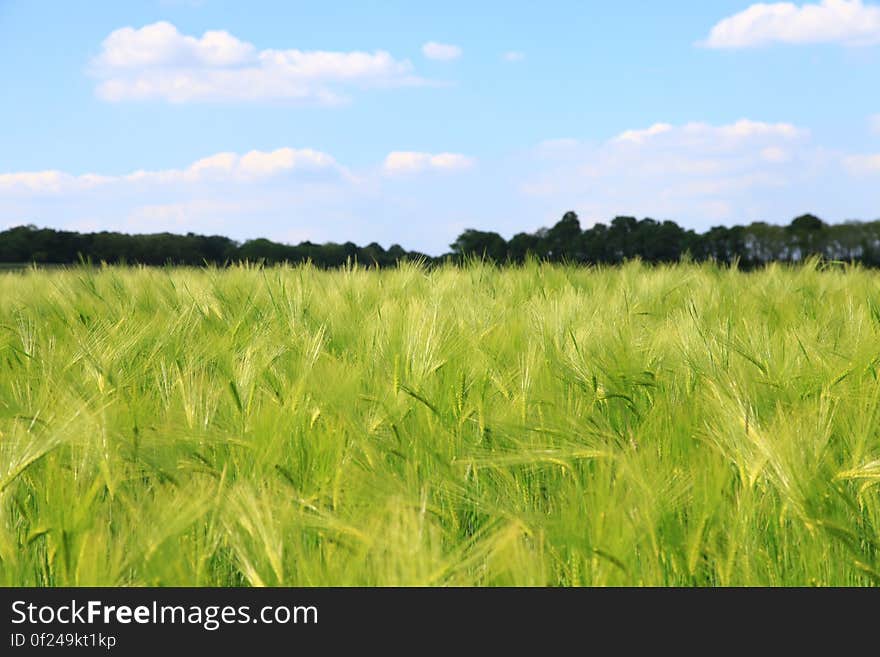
(158, 62)
(513, 56)
(862, 164)
(849, 22)
(874, 124)
(399, 162)
(693, 171)
(745, 129)
(50, 181)
(35, 181)
(257, 164)
(733, 132)
(775, 155)
(441, 51)
(639, 136)
(222, 167)
(160, 44)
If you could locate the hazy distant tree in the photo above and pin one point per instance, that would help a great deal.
(626, 237)
(806, 235)
(396, 253)
(721, 244)
(481, 244)
(564, 240)
(595, 244)
(521, 246)
(620, 235)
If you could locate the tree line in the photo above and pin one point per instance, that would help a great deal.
(622, 239)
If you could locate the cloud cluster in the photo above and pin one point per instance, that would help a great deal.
(158, 62)
(222, 167)
(849, 22)
(694, 170)
(723, 135)
(228, 167)
(404, 162)
(443, 52)
(861, 165)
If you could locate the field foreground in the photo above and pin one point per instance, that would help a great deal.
(542, 425)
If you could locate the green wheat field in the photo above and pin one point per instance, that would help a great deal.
(539, 425)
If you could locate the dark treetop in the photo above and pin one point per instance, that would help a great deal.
(623, 238)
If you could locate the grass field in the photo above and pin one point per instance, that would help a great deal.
(681, 425)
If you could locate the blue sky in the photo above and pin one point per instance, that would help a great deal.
(408, 122)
